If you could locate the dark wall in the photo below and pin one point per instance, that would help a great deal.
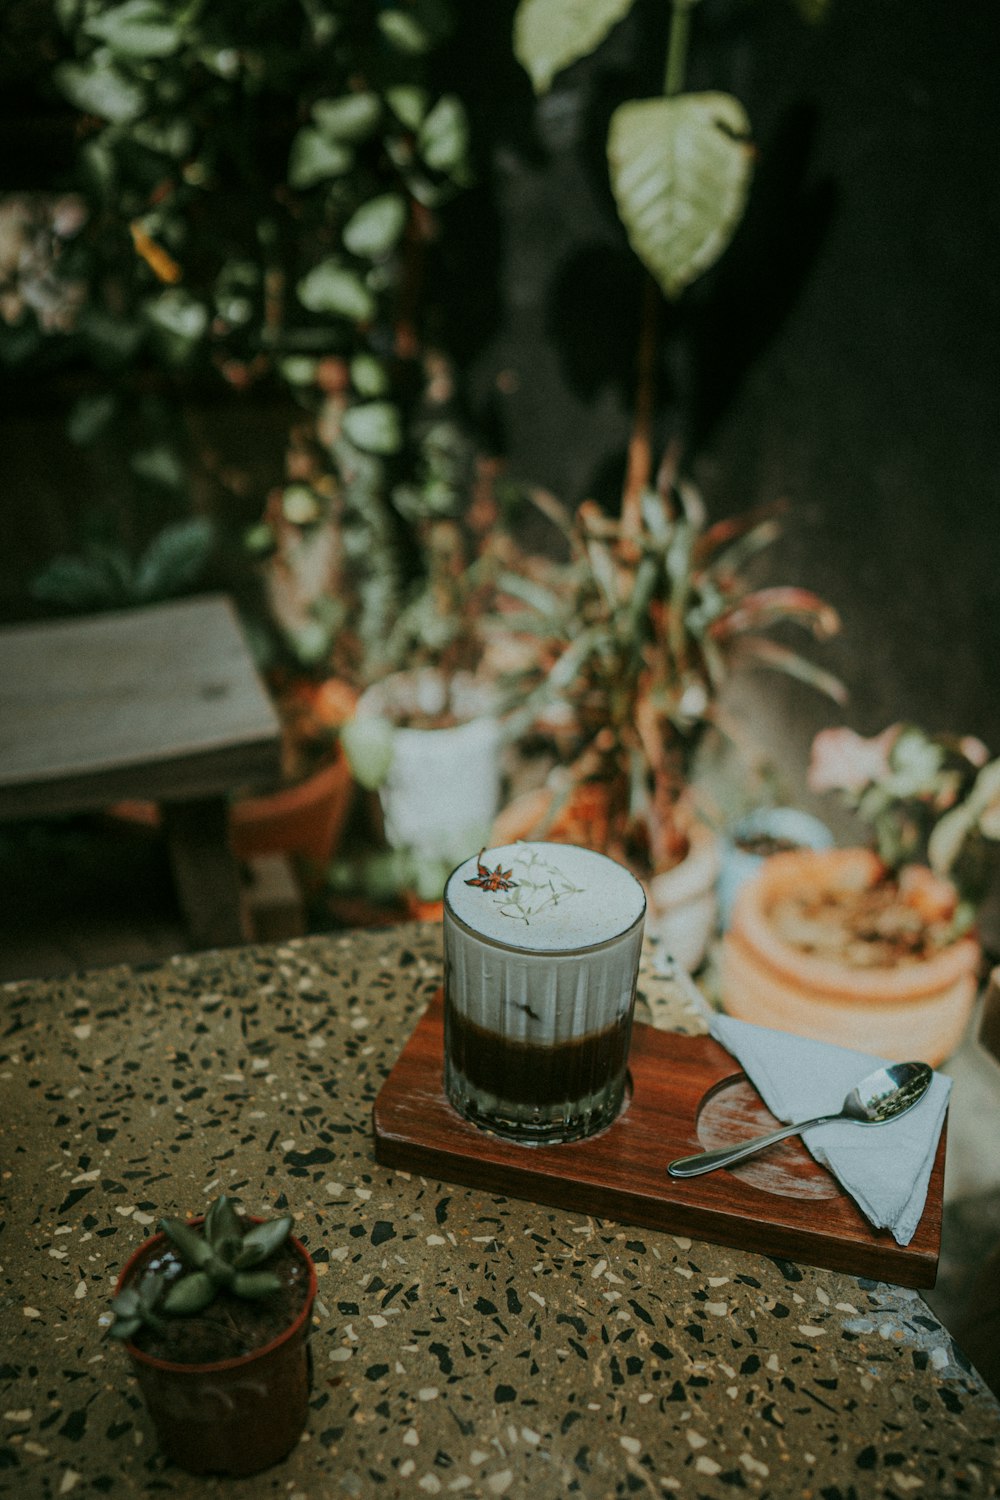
(844, 354)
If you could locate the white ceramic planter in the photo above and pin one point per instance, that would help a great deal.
(683, 904)
(788, 824)
(442, 790)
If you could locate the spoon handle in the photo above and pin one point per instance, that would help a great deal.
(707, 1161)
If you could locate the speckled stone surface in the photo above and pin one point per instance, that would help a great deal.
(464, 1344)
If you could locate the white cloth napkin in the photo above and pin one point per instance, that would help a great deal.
(885, 1168)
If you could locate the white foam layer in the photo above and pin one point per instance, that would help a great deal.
(513, 976)
(545, 898)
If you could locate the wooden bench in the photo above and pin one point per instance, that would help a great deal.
(162, 703)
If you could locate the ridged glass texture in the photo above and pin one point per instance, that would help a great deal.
(536, 1044)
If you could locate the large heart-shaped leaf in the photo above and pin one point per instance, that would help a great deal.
(551, 34)
(680, 173)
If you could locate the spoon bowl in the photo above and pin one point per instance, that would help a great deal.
(882, 1096)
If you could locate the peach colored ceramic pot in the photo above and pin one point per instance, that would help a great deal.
(912, 1010)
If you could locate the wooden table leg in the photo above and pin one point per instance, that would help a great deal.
(206, 872)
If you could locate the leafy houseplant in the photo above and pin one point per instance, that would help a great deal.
(927, 798)
(666, 611)
(875, 947)
(258, 190)
(643, 626)
(680, 167)
(215, 1314)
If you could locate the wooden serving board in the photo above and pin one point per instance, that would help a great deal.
(687, 1093)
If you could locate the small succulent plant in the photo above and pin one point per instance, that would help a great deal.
(221, 1256)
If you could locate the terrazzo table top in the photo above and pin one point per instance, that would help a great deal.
(464, 1344)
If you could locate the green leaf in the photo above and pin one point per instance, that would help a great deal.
(812, 10)
(254, 1284)
(310, 643)
(980, 809)
(98, 88)
(171, 138)
(137, 29)
(403, 32)
(680, 173)
(409, 104)
(313, 158)
(81, 583)
(332, 287)
(375, 228)
(192, 1245)
(443, 138)
(374, 426)
(174, 559)
(190, 1294)
(298, 369)
(263, 1240)
(368, 745)
(111, 341)
(369, 375)
(551, 34)
(224, 1228)
(179, 321)
(300, 505)
(125, 1327)
(159, 464)
(127, 1303)
(89, 417)
(352, 118)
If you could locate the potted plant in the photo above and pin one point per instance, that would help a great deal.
(752, 838)
(653, 610)
(874, 947)
(215, 1314)
(639, 631)
(428, 732)
(250, 248)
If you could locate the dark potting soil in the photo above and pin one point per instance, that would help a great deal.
(765, 844)
(869, 928)
(230, 1326)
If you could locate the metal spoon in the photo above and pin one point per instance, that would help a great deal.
(884, 1095)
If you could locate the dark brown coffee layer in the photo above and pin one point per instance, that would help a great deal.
(536, 1074)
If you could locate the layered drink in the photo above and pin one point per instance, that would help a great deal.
(541, 946)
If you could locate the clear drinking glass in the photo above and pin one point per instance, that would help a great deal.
(541, 945)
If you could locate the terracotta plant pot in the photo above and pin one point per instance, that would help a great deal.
(306, 818)
(788, 826)
(235, 1416)
(914, 1009)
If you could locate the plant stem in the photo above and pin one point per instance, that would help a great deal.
(677, 47)
(640, 448)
